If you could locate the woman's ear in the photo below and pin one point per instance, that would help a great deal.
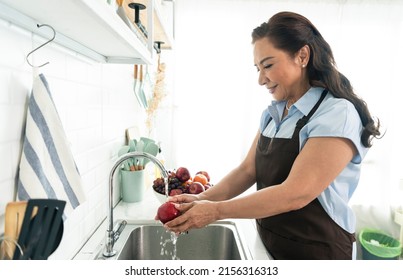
(302, 57)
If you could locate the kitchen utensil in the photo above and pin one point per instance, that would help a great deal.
(136, 84)
(146, 140)
(132, 133)
(132, 145)
(147, 84)
(7, 247)
(140, 148)
(142, 93)
(124, 150)
(152, 149)
(13, 220)
(41, 235)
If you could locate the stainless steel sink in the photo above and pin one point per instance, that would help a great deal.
(215, 242)
(150, 241)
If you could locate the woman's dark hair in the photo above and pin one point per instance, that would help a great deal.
(289, 32)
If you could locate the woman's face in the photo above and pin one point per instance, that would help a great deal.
(284, 76)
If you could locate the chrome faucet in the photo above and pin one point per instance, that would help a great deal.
(111, 235)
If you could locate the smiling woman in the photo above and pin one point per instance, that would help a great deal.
(281, 73)
(223, 79)
(303, 81)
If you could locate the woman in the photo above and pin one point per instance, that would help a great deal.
(306, 157)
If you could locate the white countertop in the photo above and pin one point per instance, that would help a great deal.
(146, 210)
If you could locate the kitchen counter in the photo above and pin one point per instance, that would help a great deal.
(146, 210)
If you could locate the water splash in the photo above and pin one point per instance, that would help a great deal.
(166, 182)
(168, 245)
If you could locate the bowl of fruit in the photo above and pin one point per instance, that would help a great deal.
(180, 181)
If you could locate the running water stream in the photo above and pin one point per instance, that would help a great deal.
(173, 236)
(168, 246)
(166, 182)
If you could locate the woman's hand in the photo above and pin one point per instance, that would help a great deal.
(183, 198)
(195, 214)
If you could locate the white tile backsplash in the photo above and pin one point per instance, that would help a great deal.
(15, 45)
(5, 167)
(4, 86)
(96, 104)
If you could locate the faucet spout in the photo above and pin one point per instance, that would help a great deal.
(111, 235)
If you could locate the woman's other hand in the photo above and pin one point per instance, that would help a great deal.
(183, 198)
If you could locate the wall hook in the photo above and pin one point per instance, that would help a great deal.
(157, 46)
(137, 7)
(54, 35)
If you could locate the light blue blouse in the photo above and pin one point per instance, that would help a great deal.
(335, 117)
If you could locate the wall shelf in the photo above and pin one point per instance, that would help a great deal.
(90, 28)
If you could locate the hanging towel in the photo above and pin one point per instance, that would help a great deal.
(47, 168)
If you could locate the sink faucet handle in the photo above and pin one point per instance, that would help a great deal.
(119, 230)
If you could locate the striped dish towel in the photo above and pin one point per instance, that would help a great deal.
(47, 167)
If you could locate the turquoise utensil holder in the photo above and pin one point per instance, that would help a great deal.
(132, 185)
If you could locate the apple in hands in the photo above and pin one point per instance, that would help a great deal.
(167, 212)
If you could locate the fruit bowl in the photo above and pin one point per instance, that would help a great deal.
(161, 197)
(179, 182)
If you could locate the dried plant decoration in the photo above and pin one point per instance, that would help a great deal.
(157, 96)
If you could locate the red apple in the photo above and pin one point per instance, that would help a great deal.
(183, 174)
(196, 187)
(205, 174)
(167, 212)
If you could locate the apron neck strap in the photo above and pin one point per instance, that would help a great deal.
(302, 121)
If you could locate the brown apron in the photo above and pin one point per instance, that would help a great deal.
(307, 233)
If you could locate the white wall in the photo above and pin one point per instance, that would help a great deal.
(96, 104)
